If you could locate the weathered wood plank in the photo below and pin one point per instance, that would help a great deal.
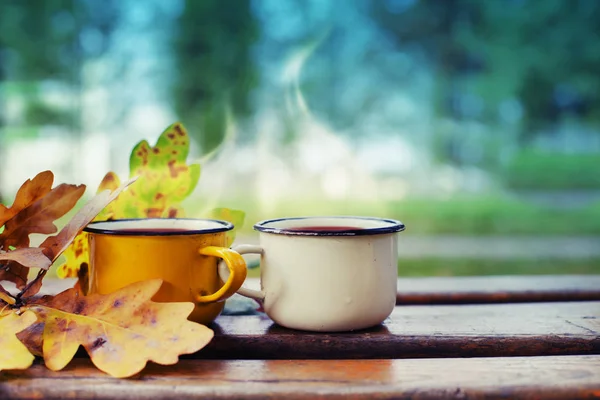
(527, 329)
(521, 329)
(498, 289)
(561, 377)
(467, 290)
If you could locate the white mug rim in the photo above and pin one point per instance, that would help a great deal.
(386, 226)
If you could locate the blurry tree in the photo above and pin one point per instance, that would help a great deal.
(544, 54)
(214, 67)
(42, 42)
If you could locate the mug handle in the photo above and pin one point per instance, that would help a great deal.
(258, 295)
(237, 273)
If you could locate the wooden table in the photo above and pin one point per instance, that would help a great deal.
(500, 337)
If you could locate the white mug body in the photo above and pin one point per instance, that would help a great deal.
(329, 281)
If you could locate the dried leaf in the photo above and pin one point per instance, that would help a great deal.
(14, 272)
(15, 264)
(110, 182)
(6, 297)
(31, 257)
(32, 190)
(40, 215)
(35, 217)
(121, 331)
(236, 217)
(54, 245)
(33, 287)
(14, 354)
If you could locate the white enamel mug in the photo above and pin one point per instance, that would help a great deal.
(326, 274)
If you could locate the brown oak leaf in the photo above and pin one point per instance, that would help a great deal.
(39, 217)
(120, 331)
(31, 257)
(14, 272)
(54, 245)
(15, 264)
(30, 191)
(34, 211)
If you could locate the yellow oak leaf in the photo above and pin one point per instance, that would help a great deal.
(121, 331)
(75, 256)
(14, 354)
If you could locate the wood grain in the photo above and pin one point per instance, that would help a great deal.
(465, 290)
(561, 377)
(498, 289)
(527, 329)
(486, 330)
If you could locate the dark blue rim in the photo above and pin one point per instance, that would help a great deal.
(395, 226)
(226, 226)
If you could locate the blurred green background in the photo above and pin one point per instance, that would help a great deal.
(476, 123)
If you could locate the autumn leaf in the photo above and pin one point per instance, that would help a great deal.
(236, 217)
(6, 297)
(54, 245)
(31, 257)
(39, 216)
(32, 190)
(120, 331)
(165, 177)
(76, 256)
(14, 354)
(76, 249)
(14, 272)
(110, 182)
(34, 209)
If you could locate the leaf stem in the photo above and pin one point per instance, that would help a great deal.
(8, 299)
(40, 276)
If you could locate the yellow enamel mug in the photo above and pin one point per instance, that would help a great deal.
(184, 253)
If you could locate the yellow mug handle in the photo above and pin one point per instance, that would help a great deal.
(237, 273)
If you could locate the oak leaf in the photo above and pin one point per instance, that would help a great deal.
(120, 331)
(110, 182)
(14, 354)
(30, 257)
(34, 210)
(15, 264)
(14, 272)
(40, 215)
(55, 245)
(30, 191)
